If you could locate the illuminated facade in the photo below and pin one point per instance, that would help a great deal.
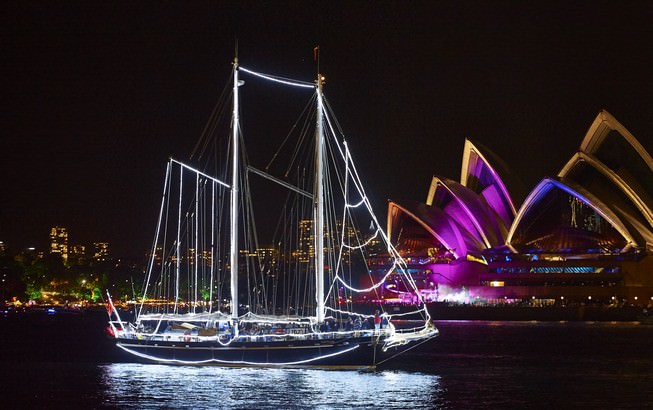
(59, 242)
(586, 232)
(77, 254)
(305, 249)
(101, 251)
(269, 255)
(263, 257)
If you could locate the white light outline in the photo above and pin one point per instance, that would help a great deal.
(268, 77)
(363, 333)
(399, 262)
(200, 173)
(392, 338)
(364, 244)
(361, 202)
(238, 362)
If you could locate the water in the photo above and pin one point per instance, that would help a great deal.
(472, 365)
(262, 388)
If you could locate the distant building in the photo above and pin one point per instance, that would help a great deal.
(78, 254)
(59, 242)
(158, 256)
(207, 257)
(265, 260)
(3, 248)
(585, 234)
(203, 258)
(266, 256)
(100, 251)
(305, 247)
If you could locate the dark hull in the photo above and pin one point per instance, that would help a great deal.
(333, 353)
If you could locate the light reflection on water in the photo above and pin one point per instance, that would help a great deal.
(143, 386)
(472, 365)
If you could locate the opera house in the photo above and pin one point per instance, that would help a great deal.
(585, 234)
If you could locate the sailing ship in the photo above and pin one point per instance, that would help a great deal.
(298, 308)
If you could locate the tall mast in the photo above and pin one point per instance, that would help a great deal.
(233, 254)
(318, 208)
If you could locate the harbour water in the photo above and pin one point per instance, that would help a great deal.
(472, 365)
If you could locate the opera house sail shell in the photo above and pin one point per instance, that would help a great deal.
(479, 175)
(614, 165)
(557, 218)
(587, 230)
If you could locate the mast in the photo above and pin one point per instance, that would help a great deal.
(318, 208)
(233, 253)
(197, 244)
(178, 262)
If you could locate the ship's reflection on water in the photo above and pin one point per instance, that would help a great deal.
(141, 386)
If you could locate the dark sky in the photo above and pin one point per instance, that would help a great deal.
(97, 95)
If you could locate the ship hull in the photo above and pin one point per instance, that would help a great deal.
(353, 353)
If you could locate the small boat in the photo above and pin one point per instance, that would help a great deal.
(213, 295)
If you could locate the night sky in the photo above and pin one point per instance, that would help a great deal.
(97, 95)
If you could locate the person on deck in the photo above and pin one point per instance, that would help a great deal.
(349, 325)
(377, 322)
(358, 324)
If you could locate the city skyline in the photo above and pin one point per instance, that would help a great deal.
(98, 97)
(59, 243)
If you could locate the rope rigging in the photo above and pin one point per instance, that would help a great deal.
(281, 277)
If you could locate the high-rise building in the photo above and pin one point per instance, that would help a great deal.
(101, 251)
(305, 247)
(59, 241)
(266, 256)
(158, 256)
(78, 254)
